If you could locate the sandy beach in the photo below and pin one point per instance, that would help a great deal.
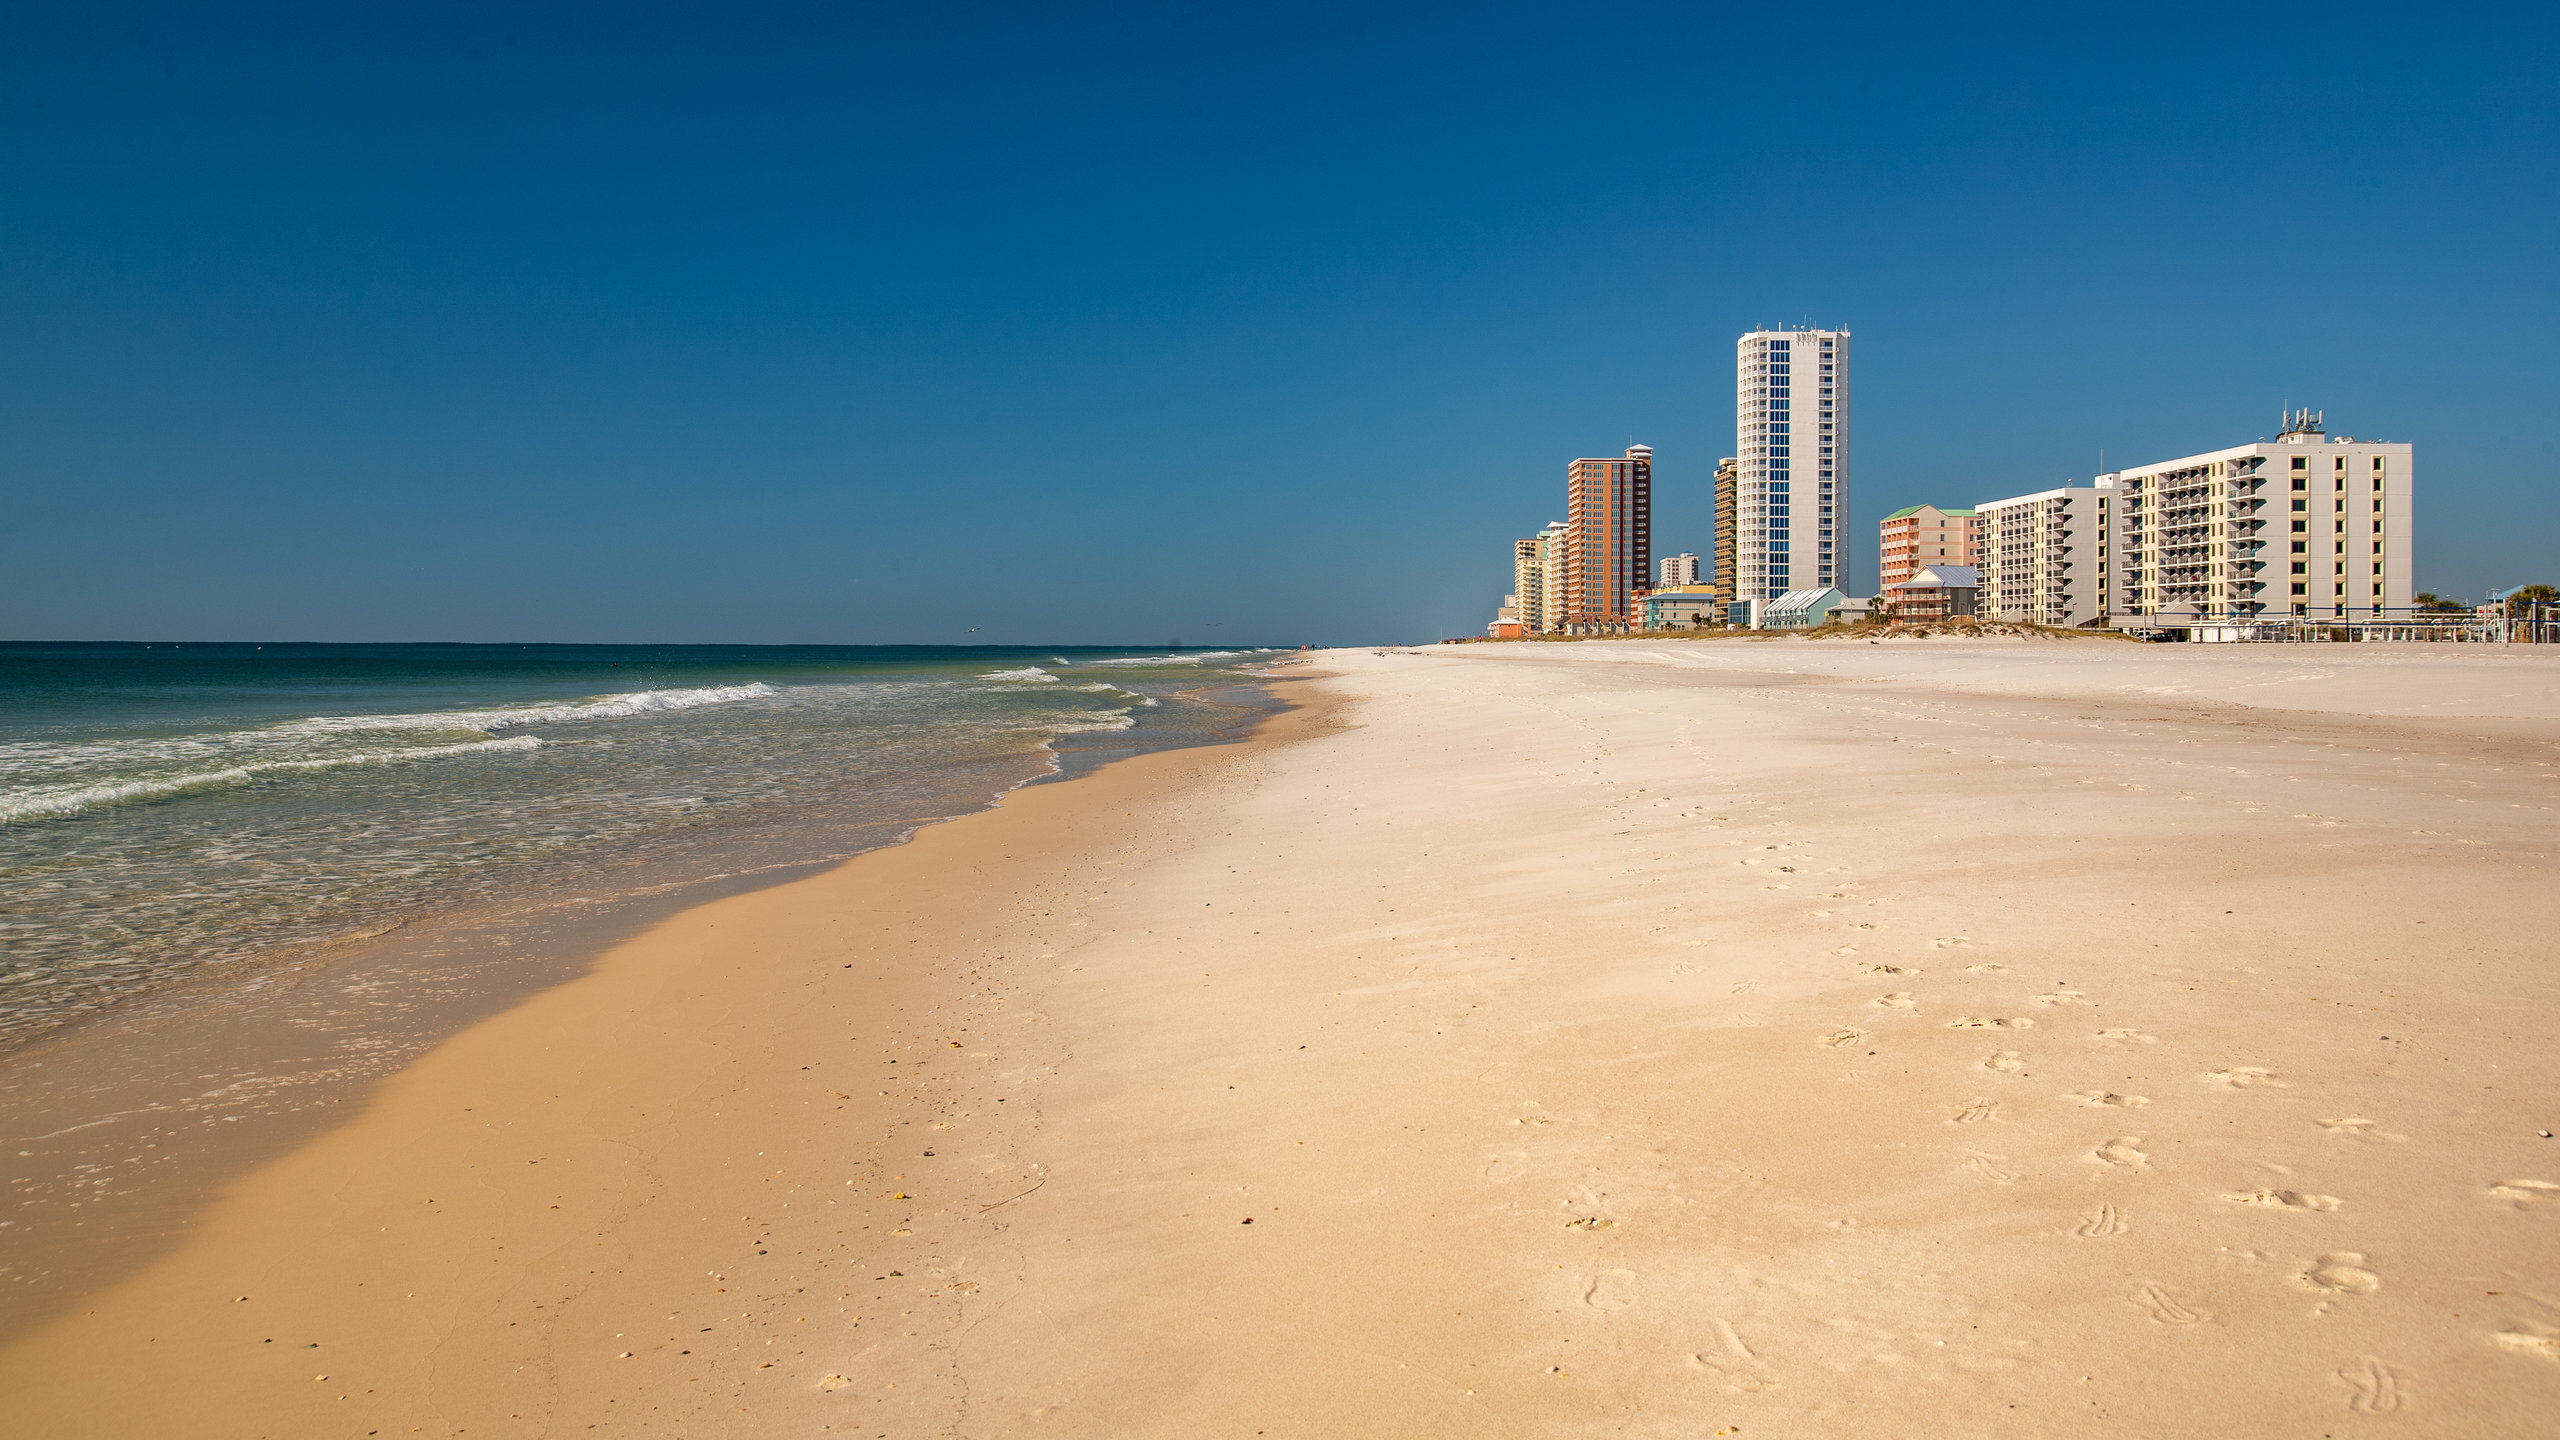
(1994, 1038)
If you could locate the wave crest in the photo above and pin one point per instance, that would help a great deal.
(39, 802)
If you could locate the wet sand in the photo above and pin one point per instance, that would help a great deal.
(1989, 1038)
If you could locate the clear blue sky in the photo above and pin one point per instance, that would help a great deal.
(843, 323)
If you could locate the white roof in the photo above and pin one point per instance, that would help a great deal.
(1798, 602)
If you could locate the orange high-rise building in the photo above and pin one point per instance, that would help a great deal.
(1608, 542)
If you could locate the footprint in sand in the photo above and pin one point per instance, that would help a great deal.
(1987, 967)
(1949, 942)
(1744, 987)
(1610, 1290)
(2064, 997)
(2284, 1200)
(2242, 1077)
(1846, 950)
(1885, 970)
(2109, 1098)
(1506, 1167)
(2342, 1274)
(1989, 1168)
(2124, 1150)
(2005, 1062)
(1729, 1358)
(1897, 1000)
(1839, 1039)
(2524, 1342)
(1974, 1112)
(2375, 1386)
(1749, 1019)
(2166, 1310)
(1990, 1022)
(2100, 1223)
(2356, 1127)
(2128, 1038)
(2524, 1194)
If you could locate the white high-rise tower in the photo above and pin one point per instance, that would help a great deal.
(1792, 442)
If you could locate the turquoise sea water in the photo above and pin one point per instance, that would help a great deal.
(166, 810)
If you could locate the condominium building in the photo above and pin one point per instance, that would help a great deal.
(1537, 583)
(1787, 440)
(1681, 569)
(1608, 546)
(2300, 525)
(1728, 473)
(2045, 556)
(1918, 535)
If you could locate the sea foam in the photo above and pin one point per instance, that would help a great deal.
(38, 802)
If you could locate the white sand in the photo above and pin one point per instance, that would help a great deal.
(1771, 1038)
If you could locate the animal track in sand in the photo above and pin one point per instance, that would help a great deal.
(2166, 1310)
(1988, 1167)
(2108, 1097)
(2124, 1150)
(2284, 1200)
(2100, 1223)
(1897, 1000)
(2006, 1062)
(1733, 1360)
(1990, 1022)
(2342, 1273)
(1610, 1290)
(2374, 1386)
(2243, 1077)
(1839, 1039)
(2524, 1194)
(1974, 1112)
(2355, 1127)
(1987, 967)
(2122, 1036)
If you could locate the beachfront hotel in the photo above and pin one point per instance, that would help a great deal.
(1681, 569)
(1608, 543)
(1918, 535)
(1787, 439)
(2302, 525)
(2044, 557)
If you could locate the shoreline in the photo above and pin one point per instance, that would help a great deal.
(1984, 1039)
(156, 1104)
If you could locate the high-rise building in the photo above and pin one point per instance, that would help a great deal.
(1921, 535)
(1681, 569)
(1548, 618)
(2045, 555)
(1728, 471)
(1609, 544)
(1789, 440)
(2300, 525)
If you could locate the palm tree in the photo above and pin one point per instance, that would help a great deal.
(2430, 600)
(2522, 600)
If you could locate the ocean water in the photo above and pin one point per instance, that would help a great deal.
(169, 813)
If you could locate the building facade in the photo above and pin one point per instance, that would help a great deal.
(1937, 592)
(1608, 542)
(1681, 569)
(1688, 607)
(2045, 557)
(1791, 500)
(1918, 535)
(1728, 473)
(2302, 525)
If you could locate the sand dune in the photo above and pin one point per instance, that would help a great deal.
(1786, 1038)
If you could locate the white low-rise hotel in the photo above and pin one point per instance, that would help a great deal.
(2303, 525)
